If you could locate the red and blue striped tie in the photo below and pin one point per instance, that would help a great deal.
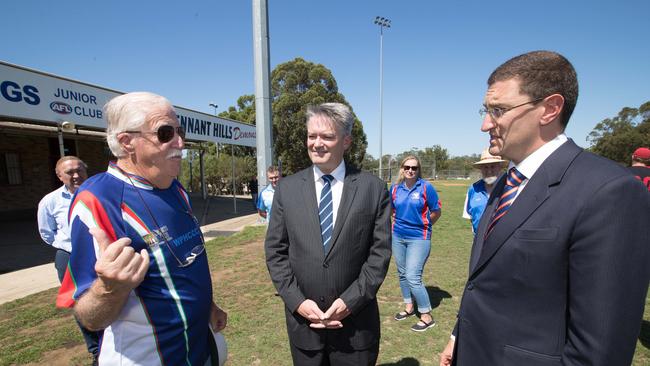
(507, 197)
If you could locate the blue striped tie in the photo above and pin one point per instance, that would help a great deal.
(325, 211)
(507, 197)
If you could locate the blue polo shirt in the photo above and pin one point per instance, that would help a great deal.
(412, 209)
(475, 203)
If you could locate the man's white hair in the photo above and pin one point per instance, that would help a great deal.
(128, 112)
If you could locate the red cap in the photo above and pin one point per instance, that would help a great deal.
(641, 153)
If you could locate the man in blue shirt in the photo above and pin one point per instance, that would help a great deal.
(265, 200)
(478, 193)
(53, 225)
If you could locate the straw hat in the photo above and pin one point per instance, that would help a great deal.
(487, 158)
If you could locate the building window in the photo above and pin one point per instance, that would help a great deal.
(10, 173)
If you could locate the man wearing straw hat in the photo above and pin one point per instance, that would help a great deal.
(478, 193)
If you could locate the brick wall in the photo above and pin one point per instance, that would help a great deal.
(95, 154)
(37, 167)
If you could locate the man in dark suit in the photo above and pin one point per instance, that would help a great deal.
(558, 272)
(328, 247)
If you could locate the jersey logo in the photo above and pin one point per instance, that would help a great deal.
(156, 237)
(415, 195)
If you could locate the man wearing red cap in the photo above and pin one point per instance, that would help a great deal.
(641, 165)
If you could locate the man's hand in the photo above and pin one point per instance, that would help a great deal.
(119, 268)
(447, 353)
(333, 316)
(218, 318)
(338, 311)
(310, 311)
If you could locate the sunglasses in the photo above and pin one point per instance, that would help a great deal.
(165, 133)
(408, 167)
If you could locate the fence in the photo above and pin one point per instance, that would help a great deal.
(390, 174)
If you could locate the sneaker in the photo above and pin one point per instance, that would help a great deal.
(421, 326)
(404, 314)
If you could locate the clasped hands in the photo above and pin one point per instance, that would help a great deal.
(331, 319)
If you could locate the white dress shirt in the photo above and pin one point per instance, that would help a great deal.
(532, 162)
(52, 219)
(336, 185)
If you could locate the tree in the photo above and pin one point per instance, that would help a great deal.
(295, 85)
(369, 163)
(433, 159)
(218, 171)
(463, 163)
(617, 138)
(243, 112)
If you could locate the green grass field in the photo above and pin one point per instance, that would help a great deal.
(33, 331)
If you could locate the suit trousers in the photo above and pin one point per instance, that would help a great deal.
(332, 357)
(91, 338)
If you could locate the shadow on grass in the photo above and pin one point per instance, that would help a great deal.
(436, 294)
(644, 336)
(407, 361)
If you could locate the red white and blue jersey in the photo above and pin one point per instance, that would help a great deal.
(165, 319)
(412, 209)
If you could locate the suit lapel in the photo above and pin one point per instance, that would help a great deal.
(537, 190)
(349, 191)
(311, 207)
(493, 201)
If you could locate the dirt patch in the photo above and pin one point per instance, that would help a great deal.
(48, 324)
(77, 355)
(252, 247)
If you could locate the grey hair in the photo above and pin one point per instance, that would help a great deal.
(129, 112)
(340, 114)
(68, 158)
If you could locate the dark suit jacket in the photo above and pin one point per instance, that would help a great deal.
(562, 278)
(353, 267)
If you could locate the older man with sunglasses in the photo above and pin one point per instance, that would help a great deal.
(138, 268)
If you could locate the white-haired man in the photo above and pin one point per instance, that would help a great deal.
(138, 266)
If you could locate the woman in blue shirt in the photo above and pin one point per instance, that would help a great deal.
(415, 209)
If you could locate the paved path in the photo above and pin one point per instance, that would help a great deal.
(18, 284)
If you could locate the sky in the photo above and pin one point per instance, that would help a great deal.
(437, 54)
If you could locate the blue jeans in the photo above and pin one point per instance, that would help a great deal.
(410, 257)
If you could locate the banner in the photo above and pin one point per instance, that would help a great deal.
(44, 98)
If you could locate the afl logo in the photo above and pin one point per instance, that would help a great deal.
(60, 108)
